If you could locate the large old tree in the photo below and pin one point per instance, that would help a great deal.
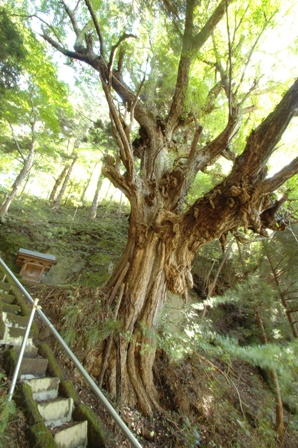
(180, 82)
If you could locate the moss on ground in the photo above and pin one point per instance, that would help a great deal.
(10, 358)
(97, 434)
(40, 436)
(24, 399)
(53, 367)
(67, 390)
(69, 235)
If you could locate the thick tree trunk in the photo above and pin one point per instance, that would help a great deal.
(143, 299)
(151, 264)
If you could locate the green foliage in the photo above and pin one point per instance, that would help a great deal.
(205, 182)
(78, 324)
(96, 334)
(39, 89)
(12, 51)
(228, 333)
(29, 112)
(192, 434)
(70, 335)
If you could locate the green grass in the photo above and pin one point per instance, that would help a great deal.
(85, 249)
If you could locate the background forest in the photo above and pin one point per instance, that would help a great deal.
(224, 346)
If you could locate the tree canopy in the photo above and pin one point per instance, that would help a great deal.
(12, 52)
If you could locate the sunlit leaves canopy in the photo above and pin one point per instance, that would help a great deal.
(220, 68)
(12, 51)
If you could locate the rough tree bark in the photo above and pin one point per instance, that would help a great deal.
(163, 237)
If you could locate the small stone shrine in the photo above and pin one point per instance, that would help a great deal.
(34, 264)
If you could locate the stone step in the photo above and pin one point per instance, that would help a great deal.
(11, 308)
(14, 336)
(6, 297)
(57, 412)
(33, 368)
(14, 320)
(74, 436)
(44, 388)
(4, 286)
(30, 351)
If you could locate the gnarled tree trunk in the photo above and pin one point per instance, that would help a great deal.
(143, 299)
(158, 257)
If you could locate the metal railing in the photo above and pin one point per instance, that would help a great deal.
(22, 351)
(106, 404)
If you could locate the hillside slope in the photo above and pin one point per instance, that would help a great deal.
(208, 400)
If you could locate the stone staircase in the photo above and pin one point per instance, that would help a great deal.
(38, 392)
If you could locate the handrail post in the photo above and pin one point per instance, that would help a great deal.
(22, 350)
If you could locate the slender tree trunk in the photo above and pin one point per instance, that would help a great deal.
(87, 183)
(25, 184)
(28, 162)
(57, 184)
(93, 208)
(212, 285)
(279, 412)
(108, 200)
(70, 189)
(120, 205)
(58, 200)
(282, 294)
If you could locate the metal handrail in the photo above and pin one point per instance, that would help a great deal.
(22, 350)
(134, 442)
